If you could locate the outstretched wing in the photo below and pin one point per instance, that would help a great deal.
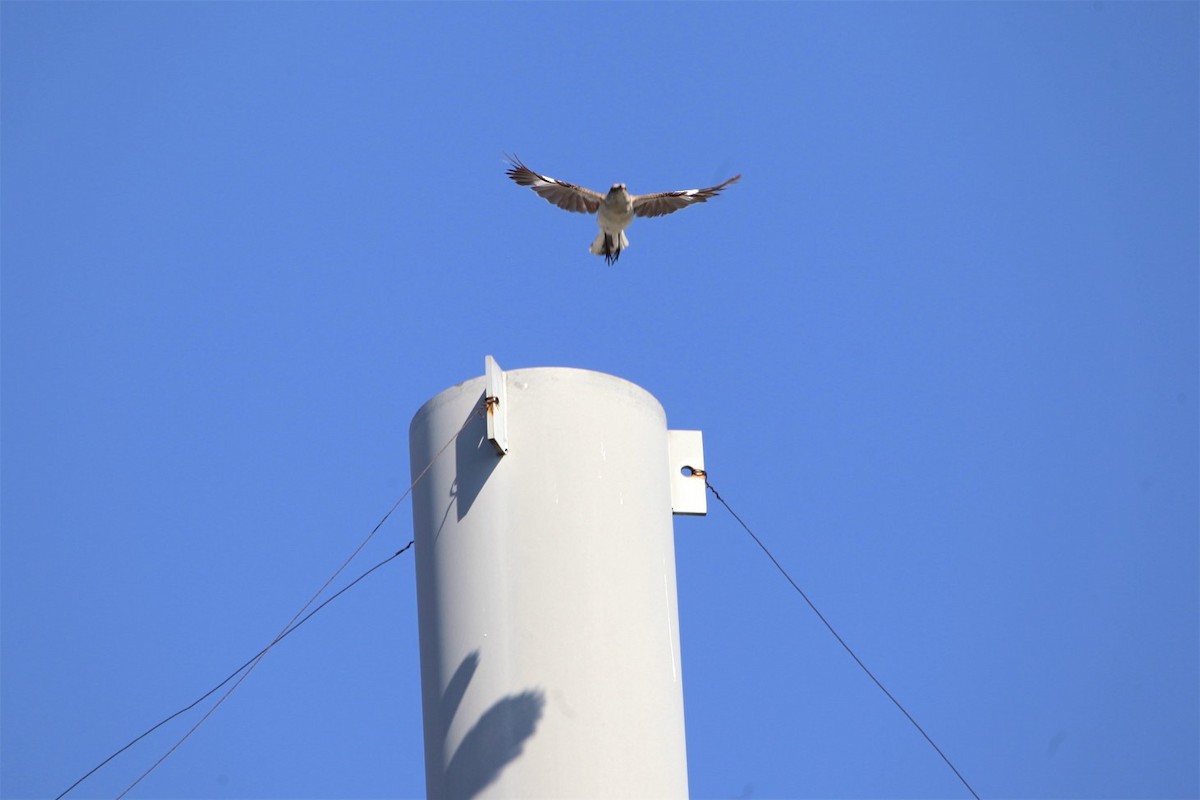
(562, 194)
(655, 205)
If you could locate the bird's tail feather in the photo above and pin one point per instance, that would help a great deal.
(609, 245)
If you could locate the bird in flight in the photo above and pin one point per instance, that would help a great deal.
(615, 210)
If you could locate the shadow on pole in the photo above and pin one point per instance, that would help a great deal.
(496, 740)
(474, 459)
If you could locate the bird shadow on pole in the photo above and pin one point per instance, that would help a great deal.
(496, 740)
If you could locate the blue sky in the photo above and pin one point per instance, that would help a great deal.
(941, 340)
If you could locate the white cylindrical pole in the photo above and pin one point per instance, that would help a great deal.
(549, 633)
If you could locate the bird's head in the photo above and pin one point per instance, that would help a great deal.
(617, 187)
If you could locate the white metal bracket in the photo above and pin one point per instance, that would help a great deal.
(686, 463)
(496, 397)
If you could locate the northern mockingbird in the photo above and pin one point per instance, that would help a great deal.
(615, 210)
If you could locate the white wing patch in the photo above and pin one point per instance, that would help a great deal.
(566, 196)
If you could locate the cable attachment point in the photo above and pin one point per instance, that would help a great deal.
(693, 472)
